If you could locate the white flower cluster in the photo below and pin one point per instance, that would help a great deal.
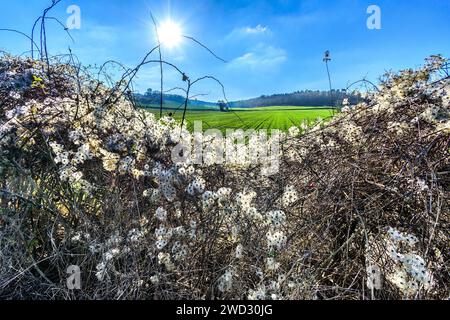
(111, 249)
(161, 214)
(244, 200)
(272, 264)
(226, 281)
(239, 251)
(196, 186)
(290, 196)
(294, 132)
(398, 128)
(276, 218)
(399, 263)
(165, 179)
(258, 294)
(276, 239)
(166, 260)
(179, 251)
(163, 236)
(419, 185)
(208, 199)
(135, 235)
(351, 133)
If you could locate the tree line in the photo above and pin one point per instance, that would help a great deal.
(301, 98)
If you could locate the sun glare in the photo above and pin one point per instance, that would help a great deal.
(170, 34)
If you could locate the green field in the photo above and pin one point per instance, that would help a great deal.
(275, 117)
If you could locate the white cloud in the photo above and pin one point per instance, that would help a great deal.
(258, 30)
(261, 56)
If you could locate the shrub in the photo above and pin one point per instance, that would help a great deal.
(358, 210)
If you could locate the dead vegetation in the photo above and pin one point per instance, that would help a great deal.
(359, 209)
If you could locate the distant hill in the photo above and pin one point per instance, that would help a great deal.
(311, 98)
(151, 100)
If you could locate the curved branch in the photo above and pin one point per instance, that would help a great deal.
(364, 81)
(33, 44)
(205, 47)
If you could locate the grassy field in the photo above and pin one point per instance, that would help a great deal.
(275, 117)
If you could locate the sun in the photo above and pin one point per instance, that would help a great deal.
(170, 34)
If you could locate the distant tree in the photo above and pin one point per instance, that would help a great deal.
(222, 106)
(149, 92)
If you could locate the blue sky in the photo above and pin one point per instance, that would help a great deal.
(272, 46)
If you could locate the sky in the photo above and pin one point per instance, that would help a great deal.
(271, 46)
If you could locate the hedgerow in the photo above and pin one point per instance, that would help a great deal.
(359, 208)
